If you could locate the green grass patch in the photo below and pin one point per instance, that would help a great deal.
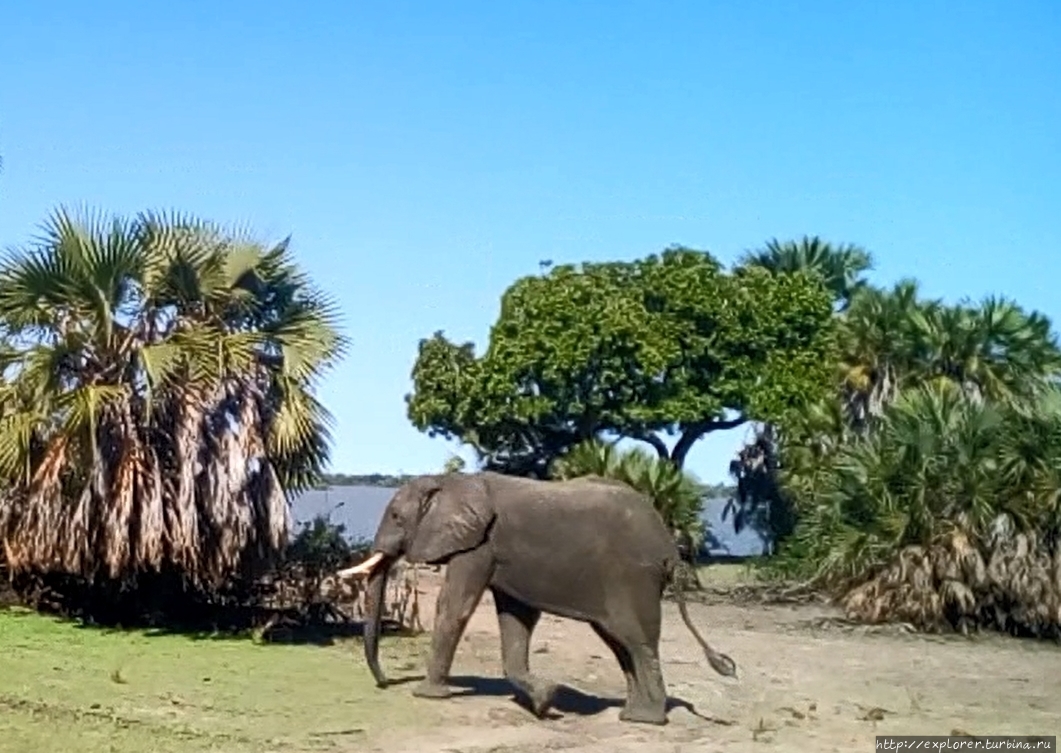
(728, 574)
(67, 687)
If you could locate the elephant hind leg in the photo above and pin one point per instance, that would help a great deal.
(626, 663)
(638, 656)
(517, 621)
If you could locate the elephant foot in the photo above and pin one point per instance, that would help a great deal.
(435, 690)
(542, 697)
(638, 714)
(539, 694)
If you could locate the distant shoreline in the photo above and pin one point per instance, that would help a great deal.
(382, 480)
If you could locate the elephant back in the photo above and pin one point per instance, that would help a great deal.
(605, 514)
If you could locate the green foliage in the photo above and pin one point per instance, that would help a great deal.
(675, 493)
(947, 515)
(890, 341)
(671, 344)
(925, 487)
(454, 464)
(841, 268)
(894, 339)
(320, 548)
(940, 462)
(156, 397)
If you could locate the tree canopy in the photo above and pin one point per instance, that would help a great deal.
(671, 345)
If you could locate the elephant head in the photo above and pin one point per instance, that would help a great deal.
(429, 519)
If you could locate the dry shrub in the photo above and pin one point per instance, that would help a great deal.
(330, 599)
(1010, 582)
(301, 593)
(287, 597)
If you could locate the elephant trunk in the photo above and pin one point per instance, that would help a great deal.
(375, 592)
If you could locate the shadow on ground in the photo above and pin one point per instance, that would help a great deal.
(288, 633)
(568, 700)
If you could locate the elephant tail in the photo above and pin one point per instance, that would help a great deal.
(719, 662)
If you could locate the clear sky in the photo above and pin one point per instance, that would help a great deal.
(425, 154)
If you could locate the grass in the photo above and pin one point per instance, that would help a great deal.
(66, 687)
(727, 574)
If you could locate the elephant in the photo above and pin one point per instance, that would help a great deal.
(587, 549)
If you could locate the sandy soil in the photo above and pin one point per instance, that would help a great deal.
(807, 682)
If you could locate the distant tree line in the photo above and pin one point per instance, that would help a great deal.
(383, 480)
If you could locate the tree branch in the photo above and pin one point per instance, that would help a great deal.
(696, 430)
(724, 425)
(656, 443)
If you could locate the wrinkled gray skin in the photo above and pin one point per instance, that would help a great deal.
(588, 549)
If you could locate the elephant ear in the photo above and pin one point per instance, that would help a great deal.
(455, 515)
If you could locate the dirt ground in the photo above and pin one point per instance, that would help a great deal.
(807, 682)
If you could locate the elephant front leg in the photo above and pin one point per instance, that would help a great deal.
(517, 621)
(466, 577)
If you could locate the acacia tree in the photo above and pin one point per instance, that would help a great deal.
(671, 345)
(157, 399)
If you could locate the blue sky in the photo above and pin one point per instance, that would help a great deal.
(424, 155)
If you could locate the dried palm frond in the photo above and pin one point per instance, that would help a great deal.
(158, 404)
(1016, 590)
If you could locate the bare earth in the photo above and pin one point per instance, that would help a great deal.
(807, 682)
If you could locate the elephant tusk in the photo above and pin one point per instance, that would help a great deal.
(361, 569)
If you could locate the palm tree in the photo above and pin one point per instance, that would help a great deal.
(880, 348)
(840, 267)
(947, 516)
(157, 400)
(894, 341)
(994, 350)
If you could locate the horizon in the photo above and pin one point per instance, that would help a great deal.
(425, 158)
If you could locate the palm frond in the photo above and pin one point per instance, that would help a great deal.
(156, 396)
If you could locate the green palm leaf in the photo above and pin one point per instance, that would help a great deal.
(157, 348)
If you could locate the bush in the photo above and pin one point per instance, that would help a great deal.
(946, 517)
(300, 592)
